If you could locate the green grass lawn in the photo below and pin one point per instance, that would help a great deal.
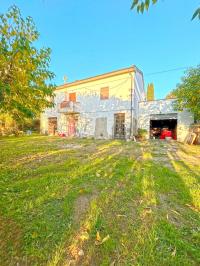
(86, 202)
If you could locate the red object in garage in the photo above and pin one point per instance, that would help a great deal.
(165, 133)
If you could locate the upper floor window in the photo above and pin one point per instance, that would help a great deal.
(104, 93)
(72, 97)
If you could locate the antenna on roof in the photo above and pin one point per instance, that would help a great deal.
(65, 79)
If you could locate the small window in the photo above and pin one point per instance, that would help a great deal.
(72, 97)
(104, 93)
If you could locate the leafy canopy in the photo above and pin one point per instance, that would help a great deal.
(25, 78)
(170, 95)
(188, 92)
(142, 5)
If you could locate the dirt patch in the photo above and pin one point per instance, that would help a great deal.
(10, 243)
(164, 154)
(70, 146)
(173, 212)
(75, 250)
(164, 161)
(81, 206)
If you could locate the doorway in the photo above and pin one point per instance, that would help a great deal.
(72, 125)
(101, 128)
(52, 125)
(119, 126)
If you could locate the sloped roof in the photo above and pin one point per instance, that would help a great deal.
(99, 77)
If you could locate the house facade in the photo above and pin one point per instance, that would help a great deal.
(104, 106)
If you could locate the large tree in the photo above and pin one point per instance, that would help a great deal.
(25, 88)
(142, 5)
(188, 92)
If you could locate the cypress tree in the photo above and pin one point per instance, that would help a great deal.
(150, 92)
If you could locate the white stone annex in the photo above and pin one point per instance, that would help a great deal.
(111, 105)
(161, 113)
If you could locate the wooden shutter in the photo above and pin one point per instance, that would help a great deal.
(72, 97)
(104, 93)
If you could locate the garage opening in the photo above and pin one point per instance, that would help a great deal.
(163, 126)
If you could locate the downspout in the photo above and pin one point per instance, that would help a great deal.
(131, 123)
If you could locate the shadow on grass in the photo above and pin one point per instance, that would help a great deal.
(146, 216)
(156, 227)
(174, 220)
(138, 203)
(44, 207)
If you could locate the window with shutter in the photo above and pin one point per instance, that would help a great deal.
(104, 93)
(72, 97)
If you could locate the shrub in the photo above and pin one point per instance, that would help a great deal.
(142, 133)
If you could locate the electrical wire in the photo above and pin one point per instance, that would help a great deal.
(165, 71)
(88, 86)
(85, 87)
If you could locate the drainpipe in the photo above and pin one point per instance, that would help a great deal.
(131, 123)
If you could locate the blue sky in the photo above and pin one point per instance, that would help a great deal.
(90, 37)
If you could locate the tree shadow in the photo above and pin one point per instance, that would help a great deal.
(106, 181)
(173, 195)
(143, 192)
(50, 206)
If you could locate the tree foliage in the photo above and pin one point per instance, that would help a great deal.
(142, 5)
(24, 70)
(188, 92)
(150, 92)
(170, 95)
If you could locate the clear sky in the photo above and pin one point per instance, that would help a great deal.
(91, 37)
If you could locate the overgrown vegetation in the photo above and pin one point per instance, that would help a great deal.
(170, 95)
(9, 127)
(142, 134)
(188, 92)
(89, 202)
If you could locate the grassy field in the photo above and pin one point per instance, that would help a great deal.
(86, 202)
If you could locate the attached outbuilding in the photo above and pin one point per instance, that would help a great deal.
(156, 116)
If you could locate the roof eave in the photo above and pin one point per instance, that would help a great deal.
(98, 77)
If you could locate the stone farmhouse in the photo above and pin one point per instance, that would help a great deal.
(104, 106)
(111, 105)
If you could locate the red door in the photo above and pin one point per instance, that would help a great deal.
(71, 126)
